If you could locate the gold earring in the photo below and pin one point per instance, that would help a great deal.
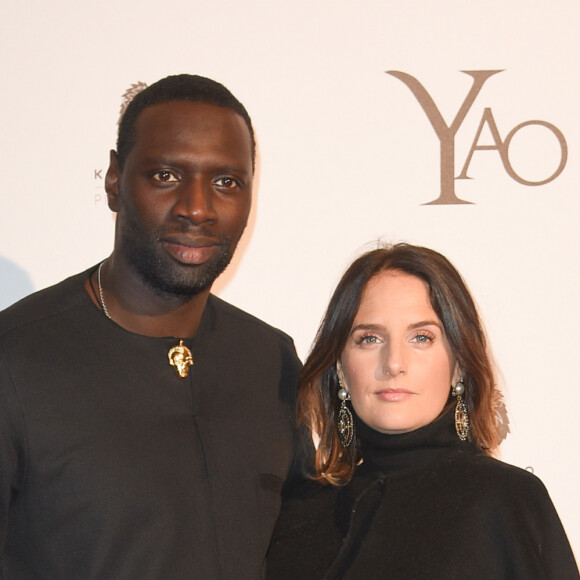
(461, 416)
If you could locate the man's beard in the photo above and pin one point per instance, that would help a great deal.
(165, 276)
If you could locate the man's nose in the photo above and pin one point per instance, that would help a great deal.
(196, 201)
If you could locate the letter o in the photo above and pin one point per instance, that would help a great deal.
(563, 147)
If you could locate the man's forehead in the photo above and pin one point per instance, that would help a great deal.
(184, 110)
(174, 118)
(186, 129)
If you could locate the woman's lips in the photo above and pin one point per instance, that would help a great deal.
(394, 395)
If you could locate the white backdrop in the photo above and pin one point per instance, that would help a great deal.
(348, 156)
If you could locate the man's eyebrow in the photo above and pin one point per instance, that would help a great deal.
(180, 160)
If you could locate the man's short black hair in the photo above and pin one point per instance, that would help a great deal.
(182, 87)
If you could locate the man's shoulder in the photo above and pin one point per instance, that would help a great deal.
(44, 304)
(228, 314)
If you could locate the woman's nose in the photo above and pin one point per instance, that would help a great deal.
(393, 360)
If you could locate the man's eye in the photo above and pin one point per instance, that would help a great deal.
(226, 182)
(165, 176)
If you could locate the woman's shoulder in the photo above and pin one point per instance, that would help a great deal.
(500, 475)
(503, 490)
(507, 502)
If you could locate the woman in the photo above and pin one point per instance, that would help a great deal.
(400, 389)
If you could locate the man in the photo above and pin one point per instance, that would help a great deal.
(146, 425)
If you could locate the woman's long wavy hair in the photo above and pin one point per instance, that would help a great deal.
(318, 403)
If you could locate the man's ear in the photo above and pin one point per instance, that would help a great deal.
(112, 179)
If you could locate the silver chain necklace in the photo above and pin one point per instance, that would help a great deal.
(179, 356)
(101, 297)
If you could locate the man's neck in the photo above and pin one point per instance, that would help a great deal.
(136, 307)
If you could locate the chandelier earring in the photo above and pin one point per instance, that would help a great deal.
(345, 424)
(461, 416)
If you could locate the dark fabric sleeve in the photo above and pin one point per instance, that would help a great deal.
(519, 523)
(515, 522)
(306, 539)
(302, 465)
(553, 546)
(12, 462)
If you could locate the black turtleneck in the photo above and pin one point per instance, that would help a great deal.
(419, 449)
(422, 505)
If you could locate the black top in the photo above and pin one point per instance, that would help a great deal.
(112, 467)
(423, 505)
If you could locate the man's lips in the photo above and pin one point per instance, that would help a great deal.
(394, 395)
(191, 250)
(190, 240)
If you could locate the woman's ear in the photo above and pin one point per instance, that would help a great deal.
(340, 373)
(457, 374)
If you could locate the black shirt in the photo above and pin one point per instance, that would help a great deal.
(113, 467)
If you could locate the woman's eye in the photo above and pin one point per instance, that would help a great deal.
(422, 338)
(369, 339)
